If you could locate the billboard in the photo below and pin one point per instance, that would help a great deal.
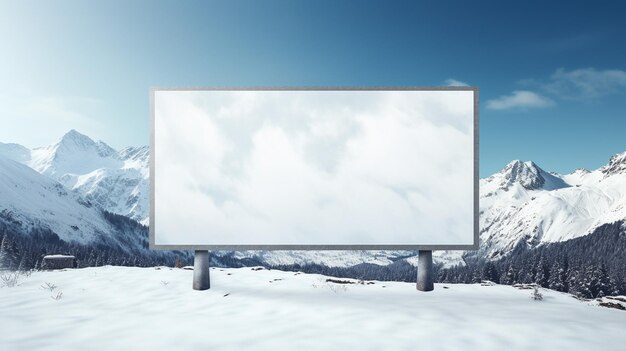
(314, 168)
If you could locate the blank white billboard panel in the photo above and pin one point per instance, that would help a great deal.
(313, 169)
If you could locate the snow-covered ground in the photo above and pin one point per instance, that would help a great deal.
(119, 308)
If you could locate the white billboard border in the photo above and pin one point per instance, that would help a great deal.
(473, 246)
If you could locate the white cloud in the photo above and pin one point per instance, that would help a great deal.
(519, 99)
(585, 83)
(311, 167)
(455, 83)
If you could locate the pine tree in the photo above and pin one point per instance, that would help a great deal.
(8, 254)
(557, 278)
(573, 282)
(4, 256)
(541, 273)
(92, 260)
(529, 278)
(510, 277)
(489, 272)
(475, 276)
(604, 286)
(443, 276)
(586, 283)
(565, 269)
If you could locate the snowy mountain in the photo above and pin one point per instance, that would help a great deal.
(39, 215)
(527, 174)
(520, 205)
(116, 181)
(30, 201)
(524, 204)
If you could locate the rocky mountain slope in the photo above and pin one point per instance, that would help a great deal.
(31, 204)
(116, 181)
(525, 204)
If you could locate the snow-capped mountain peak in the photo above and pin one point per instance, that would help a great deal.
(523, 203)
(616, 165)
(581, 171)
(74, 154)
(525, 174)
(75, 140)
(116, 181)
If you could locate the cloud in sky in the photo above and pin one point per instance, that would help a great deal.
(586, 83)
(311, 167)
(455, 83)
(583, 83)
(519, 99)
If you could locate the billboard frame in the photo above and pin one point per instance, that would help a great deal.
(473, 246)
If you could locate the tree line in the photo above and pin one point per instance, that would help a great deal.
(590, 266)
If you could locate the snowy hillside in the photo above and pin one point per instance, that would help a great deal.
(15, 152)
(523, 203)
(37, 208)
(31, 200)
(248, 309)
(116, 181)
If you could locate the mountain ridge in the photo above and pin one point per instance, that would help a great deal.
(116, 181)
(559, 208)
(521, 204)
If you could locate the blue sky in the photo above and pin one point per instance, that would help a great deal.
(552, 75)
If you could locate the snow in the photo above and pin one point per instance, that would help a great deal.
(333, 258)
(14, 152)
(448, 258)
(38, 201)
(58, 256)
(111, 308)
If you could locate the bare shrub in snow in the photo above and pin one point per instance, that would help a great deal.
(537, 295)
(337, 288)
(317, 283)
(330, 284)
(10, 279)
(179, 263)
(58, 296)
(48, 286)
